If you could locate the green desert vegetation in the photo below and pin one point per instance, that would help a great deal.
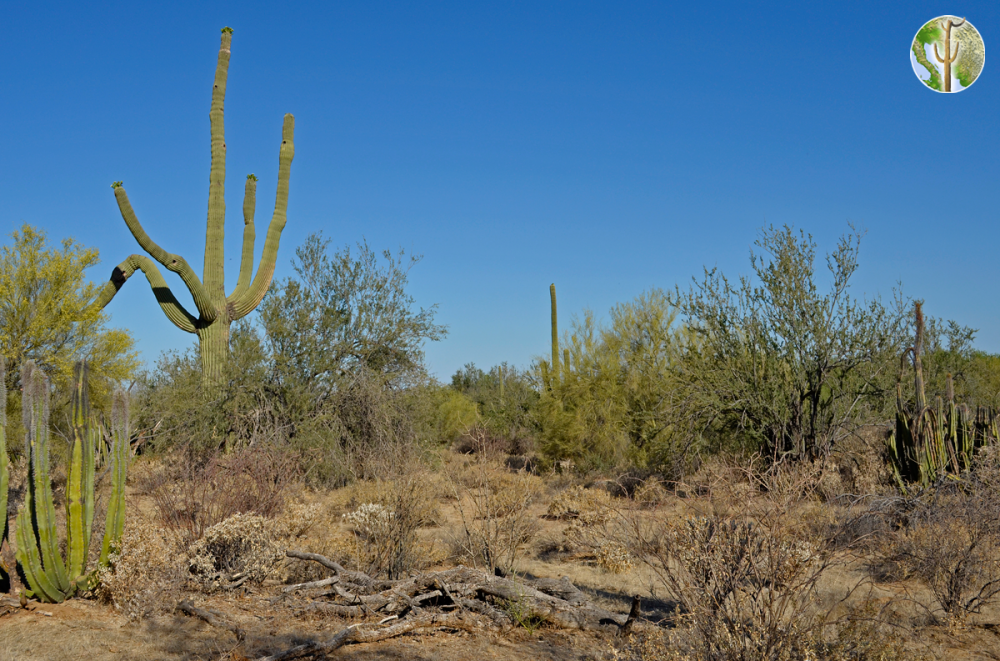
(730, 470)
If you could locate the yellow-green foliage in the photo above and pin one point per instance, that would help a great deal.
(615, 404)
(443, 413)
(45, 315)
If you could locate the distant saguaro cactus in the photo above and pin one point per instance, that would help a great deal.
(216, 311)
(555, 333)
(949, 57)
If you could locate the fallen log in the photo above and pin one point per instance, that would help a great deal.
(212, 617)
(556, 601)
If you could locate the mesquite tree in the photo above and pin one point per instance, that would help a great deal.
(216, 311)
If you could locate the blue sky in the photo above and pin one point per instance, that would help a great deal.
(606, 147)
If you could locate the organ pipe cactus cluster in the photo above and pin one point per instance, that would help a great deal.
(932, 442)
(50, 576)
(215, 310)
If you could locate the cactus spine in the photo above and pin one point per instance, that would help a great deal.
(216, 311)
(932, 442)
(949, 57)
(50, 577)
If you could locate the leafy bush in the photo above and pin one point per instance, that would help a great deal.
(773, 365)
(506, 399)
(616, 403)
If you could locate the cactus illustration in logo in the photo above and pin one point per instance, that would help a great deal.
(947, 54)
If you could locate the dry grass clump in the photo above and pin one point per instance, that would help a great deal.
(613, 556)
(142, 572)
(297, 519)
(242, 549)
(589, 505)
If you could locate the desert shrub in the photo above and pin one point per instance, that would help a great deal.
(578, 502)
(773, 365)
(296, 520)
(743, 575)
(616, 402)
(191, 494)
(493, 504)
(949, 540)
(142, 572)
(440, 414)
(242, 548)
(614, 557)
(862, 636)
(506, 399)
(386, 525)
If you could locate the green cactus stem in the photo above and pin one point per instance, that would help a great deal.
(933, 442)
(50, 577)
(37, 543)
(215, 310)
(949, 57)
(115, 522)
(554, 372)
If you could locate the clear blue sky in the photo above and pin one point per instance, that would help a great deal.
(606, 147)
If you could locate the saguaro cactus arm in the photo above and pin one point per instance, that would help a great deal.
(172, 262)
(245, 302)
(249, 235)
(168, 303)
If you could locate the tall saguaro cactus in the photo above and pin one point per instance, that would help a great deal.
(949, 57)
(216, 311)
(555, 334)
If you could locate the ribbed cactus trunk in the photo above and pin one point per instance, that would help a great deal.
(555, 334)
(216, 311)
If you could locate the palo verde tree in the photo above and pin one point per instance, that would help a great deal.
(216, 311)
